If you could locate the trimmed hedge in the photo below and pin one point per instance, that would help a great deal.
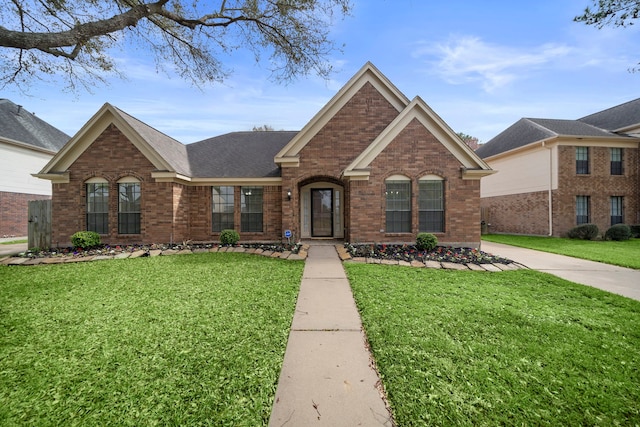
(229, 237)
(584, 232)
(85, 239)
(426, 241)
(618, 232)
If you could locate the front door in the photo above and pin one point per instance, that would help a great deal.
(321, 212)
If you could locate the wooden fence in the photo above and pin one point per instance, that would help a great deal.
(39, 224)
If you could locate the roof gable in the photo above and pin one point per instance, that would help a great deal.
(419, 110)
(164, 152)
(20, 127)
(288, 156)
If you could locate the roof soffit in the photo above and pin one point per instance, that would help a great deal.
(419, 110)
(367, 74)
(91, 130)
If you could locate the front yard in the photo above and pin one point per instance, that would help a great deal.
(509, 348)
(180, 340)
(624, 254)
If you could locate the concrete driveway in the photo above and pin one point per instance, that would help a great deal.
(13, 248)
(618, 280)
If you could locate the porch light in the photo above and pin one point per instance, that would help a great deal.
(288, 194)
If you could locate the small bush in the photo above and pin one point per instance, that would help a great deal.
(426, 241)
(584, 232)
(229, 237)
(635, 230)
(618, 232)
(85, 239)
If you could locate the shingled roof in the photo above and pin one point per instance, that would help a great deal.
(238, 154)
(19, 125)
(528, 130)
(616, 118)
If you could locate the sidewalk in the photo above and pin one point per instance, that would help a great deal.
(618, 280)
(326, 377)
(14, 248)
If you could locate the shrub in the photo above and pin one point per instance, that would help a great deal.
(229, 237)
(85, 239)
(618, 232)
(584, 232)
(635, 230)
(426, 241)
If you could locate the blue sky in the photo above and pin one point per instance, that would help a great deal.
(480, 65)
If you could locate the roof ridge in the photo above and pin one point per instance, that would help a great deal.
(608, 109)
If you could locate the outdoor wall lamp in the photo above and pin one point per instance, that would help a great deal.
(288, 194)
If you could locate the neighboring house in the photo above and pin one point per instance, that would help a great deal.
(553, 175)
(370, 166)
(27, 143)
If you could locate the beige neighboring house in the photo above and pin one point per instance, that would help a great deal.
(27, 143)
(556, 174)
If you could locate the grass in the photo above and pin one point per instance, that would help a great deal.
(14, 242)
(511, 348)
(181, 340)
(624, 254)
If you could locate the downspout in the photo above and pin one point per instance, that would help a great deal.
(550, 187)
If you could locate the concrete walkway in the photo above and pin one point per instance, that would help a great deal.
(327, 378)
(618, 280)
(12, 249)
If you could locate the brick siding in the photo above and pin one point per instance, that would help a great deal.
(527, 213)
(172, 212)
(14, 212)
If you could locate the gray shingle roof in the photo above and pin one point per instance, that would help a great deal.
(618, 117)
(238, 154)
(18, 124)
(171, 150)
(526, 131)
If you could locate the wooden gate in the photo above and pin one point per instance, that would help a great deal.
(39, 224)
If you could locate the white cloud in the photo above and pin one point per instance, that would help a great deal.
(471, 60)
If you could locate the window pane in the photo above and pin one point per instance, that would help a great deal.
(616, 161)
(398, 198)
(431, 206)
(251, 209)
(129, 208)
(582, 210)
(98, 207)
(222, 208)
(617, 216)
(582, 160)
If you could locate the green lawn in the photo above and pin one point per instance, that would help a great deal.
(624, 254)
(180, 340)
(14, 242)
(510, 348)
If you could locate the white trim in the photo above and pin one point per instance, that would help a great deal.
(431, 177)
(128, 180)
(96, 180)
(397, 178)
(367, 74)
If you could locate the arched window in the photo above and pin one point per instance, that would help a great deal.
(129, 205)
(398, 204)
(97, 205)
(431, 204)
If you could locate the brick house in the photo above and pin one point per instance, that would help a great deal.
(27, 143)
(556, 174)
(370, 166)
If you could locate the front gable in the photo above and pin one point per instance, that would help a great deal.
(289, 156)
(57, 170)
(471, 165)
